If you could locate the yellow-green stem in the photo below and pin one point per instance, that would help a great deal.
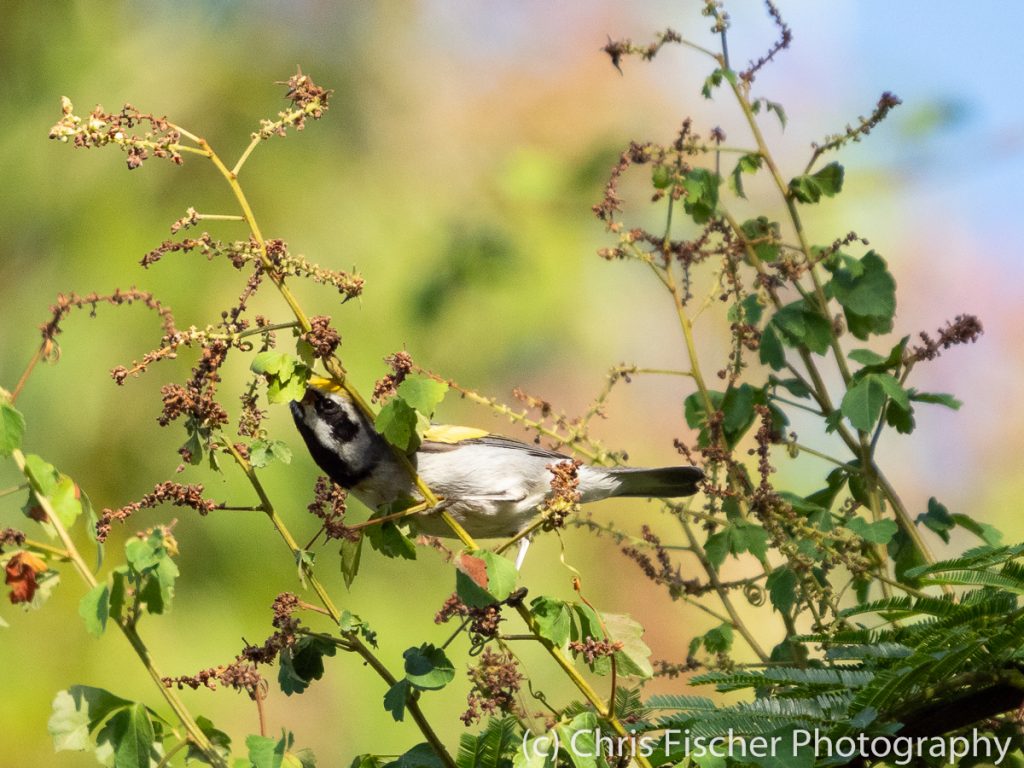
(195, 733)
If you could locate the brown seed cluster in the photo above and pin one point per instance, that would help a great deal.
(329, 505)
(322, 337)
(661, 570)
(308, 100)
(785, 38)
(243, 674)
(385, 388)
(496, 681)
(965, 329)
(593, 649)
(69, 301)
(101, 128)
(564, 500)
(179, 495)
(204, 243)
(483, 623)
(618, 49)
(11, 536)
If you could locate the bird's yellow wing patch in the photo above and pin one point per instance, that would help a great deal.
(447, 433)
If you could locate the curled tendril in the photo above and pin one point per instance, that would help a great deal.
(754, 594)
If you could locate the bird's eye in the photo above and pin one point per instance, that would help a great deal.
(326, 406)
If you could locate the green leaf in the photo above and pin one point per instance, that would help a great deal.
(490, 749)
(747, 311)
(394, 699)
(634, 658)
(94, 608)
(937, 519)
(987, 533)
(714, 80)
(749, 537)
(938, 398)
(770, 351)
(747, 164)
(397, 423)
(553, 618)
(428, 668)
(422, 393)
(286, 375)
(12, 426)
(893, 390)
(350, 623)
(799, 324)
(867, 357)
(878, 532)
(865, 287)
(719, 639)
(284, 390)
(826, 182)
(738, 412)
(134, 737)
(273, 363)
(774, 106)
(701, 194)
(661, 176)
(782, 584)
(220, 741)
(863, 401)
(420, 756)
(351, 552)
(71, 720)
(57, 487)
(303, 663)
(262, 452)
(717, 547)
(266, 751)
(389, 540)
(579, 740)
(484, 578)
(802, 757)
(764, 236)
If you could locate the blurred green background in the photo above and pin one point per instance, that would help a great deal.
(455, 170)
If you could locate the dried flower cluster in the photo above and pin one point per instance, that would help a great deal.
(179, 495)
(385, 388)
(9, 536)
(242, 674)
(329, 506)
(308, 100)
(593, 649)
(496, 680)
(101, 128)
(483, 624)
(785, 38)
(322, 337)
(564, 500)
(964, 329)
(665, 572)
(67, 302)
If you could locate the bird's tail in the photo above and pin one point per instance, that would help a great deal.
(664, 482)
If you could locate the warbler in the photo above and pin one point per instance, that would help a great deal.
(491, 485)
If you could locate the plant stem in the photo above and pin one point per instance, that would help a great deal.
(195, 733)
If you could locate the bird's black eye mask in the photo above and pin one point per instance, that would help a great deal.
(343, 427)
